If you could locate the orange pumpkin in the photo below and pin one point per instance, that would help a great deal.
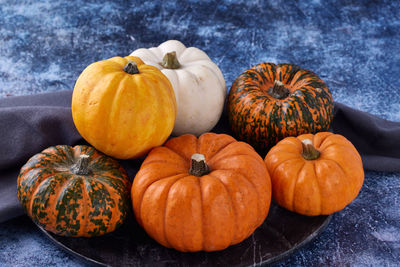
(315, 174)
(123, 107)
(201, 194)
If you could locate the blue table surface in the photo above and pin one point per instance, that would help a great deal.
(353, 47)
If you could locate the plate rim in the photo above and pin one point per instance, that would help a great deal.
(274, 259)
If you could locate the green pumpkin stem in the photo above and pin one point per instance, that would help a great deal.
(81, 167)
(131, 67)
(309, 151)
(170, 61)
(278, 90)
(198, 165)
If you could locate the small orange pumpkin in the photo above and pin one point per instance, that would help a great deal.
(123, 107)
(315, 174)
(201, 194)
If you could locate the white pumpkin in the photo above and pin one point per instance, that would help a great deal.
(198, 84)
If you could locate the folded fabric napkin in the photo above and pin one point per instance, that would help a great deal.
(29, 124)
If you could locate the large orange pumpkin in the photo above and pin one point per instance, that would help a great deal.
(315, 174)
(123, 107)
(201, 194)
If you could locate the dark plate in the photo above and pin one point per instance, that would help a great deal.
(282, 233)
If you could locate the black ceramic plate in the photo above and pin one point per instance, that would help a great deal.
(280, 234)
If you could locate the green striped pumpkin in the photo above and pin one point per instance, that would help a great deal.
(74, 191)
(269, 102)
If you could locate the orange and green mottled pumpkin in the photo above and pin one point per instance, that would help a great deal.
(74, 191)
(269, 102)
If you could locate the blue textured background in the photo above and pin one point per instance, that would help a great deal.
(354, 47)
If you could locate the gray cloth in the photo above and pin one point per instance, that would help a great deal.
(29, 124)
(376, 139)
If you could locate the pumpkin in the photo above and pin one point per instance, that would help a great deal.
(74, 191)
(269, 102)
(315, 174)
(198, 84)
(123, 107)
(203, 193)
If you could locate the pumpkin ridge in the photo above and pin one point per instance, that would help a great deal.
(232, 205)
(147, 187)
(340, 166)
(69, 153)
(254, 112)
(319, 189)
(56, 193)
(295, 184)
(87, 185)
(119, 188)
(100, 168)
(220, 150)
(280, 163)
(340, 145)
(36, 189)
(33, 168)
(106, 197)
(61, 152)
(292, 70)
(202, 214)
(63, 188)
(165, 209)
(206, 65)
(105, 175)
(159, 161)
(178, 152)
(239, 154)
(85, 206)
(344, 173)
(238, 172)
(89, 98)
(110, 189)
(258, 195)
(259, 76)
(257, 223)
(271, 71)
(111, 116)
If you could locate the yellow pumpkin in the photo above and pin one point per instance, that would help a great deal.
(123, 107)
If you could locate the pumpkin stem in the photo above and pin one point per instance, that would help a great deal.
(131, 67)
(309, 151)
(170, 61)
(278, 91)
(82, 165)
(198, 165)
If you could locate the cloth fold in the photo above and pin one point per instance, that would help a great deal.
(29, 124)
(376, 139)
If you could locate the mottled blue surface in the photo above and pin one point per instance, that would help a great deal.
(354, 47)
